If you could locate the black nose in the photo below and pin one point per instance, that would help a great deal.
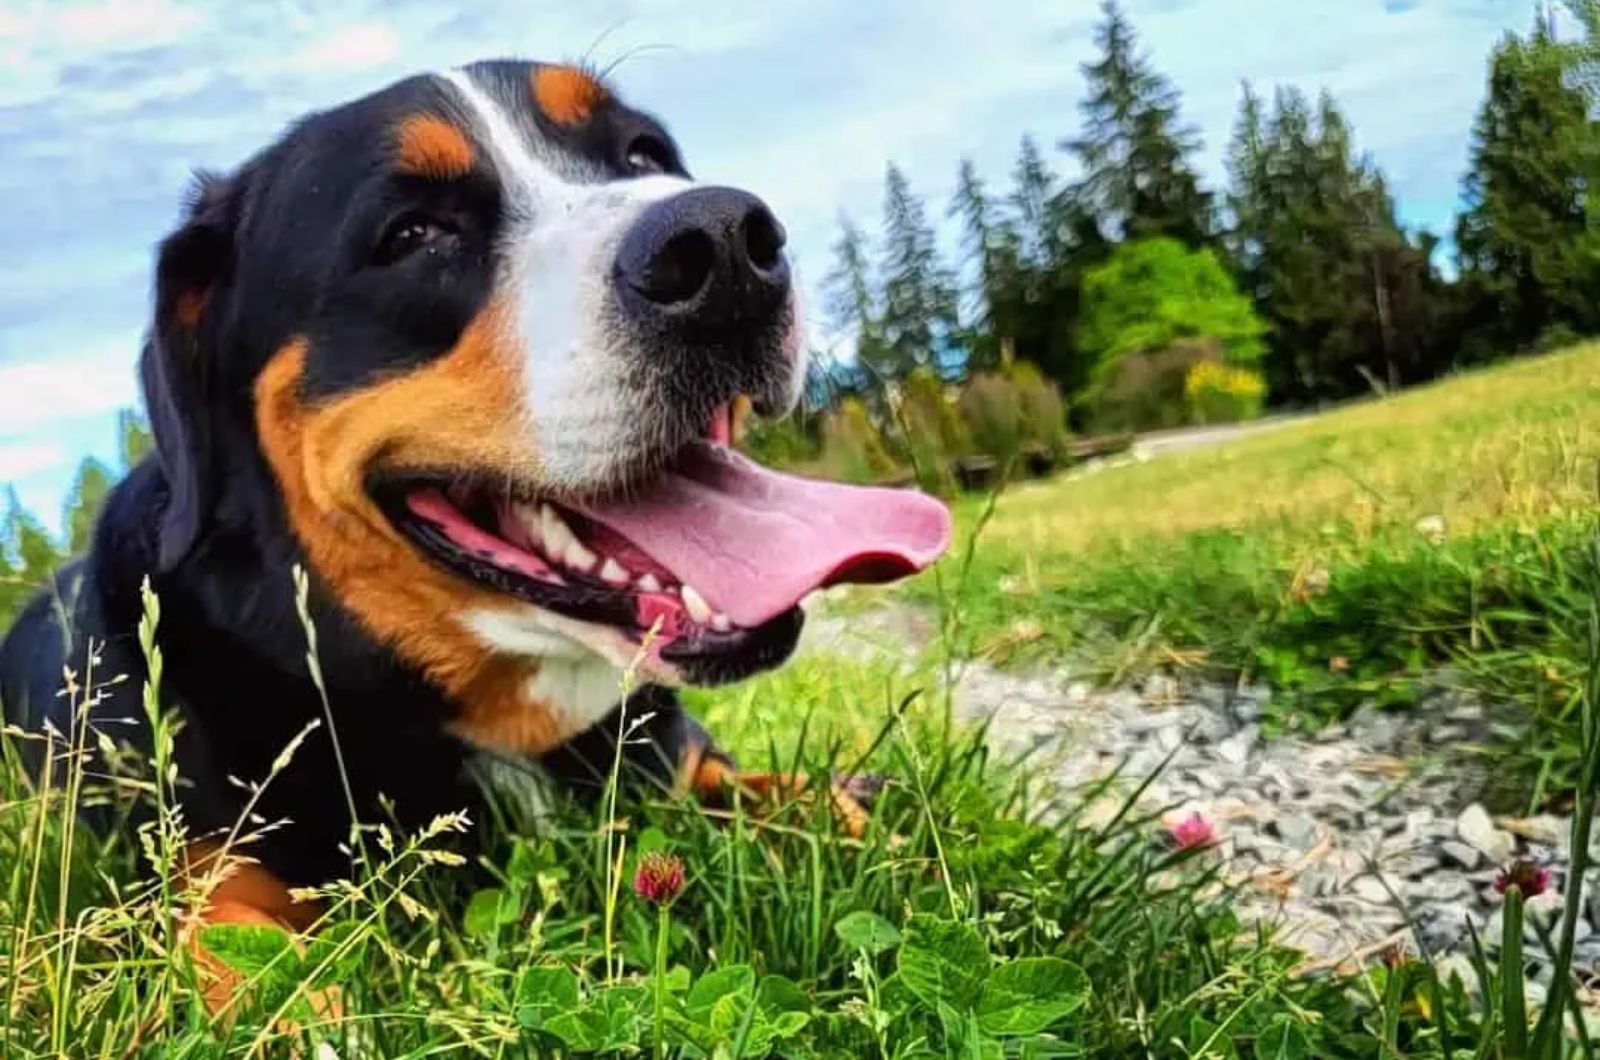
(711, 257)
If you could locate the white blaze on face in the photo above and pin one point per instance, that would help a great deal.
(557, 248)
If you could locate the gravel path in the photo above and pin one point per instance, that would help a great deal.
(1341, 840)
(1182, 439)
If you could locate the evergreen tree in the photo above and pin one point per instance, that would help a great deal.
(1351, 300)
(27, 557)
(84, 501)
(134, 439)
(851, 299)
(1054, 237)
(980, 245)
(1250, 184)
(1035, 204)
(919, 318)
(1134, 149)
(1529, 255)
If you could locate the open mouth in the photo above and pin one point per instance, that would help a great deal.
(709, 559)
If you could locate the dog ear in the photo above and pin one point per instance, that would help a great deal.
(174, 369)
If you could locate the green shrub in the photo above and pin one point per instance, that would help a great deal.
(1043, 413)
(852, 448)
(1011, 410)
(932, 429)
(1146, 391)
(1155, 294)
(1220, 393)
(990, 408)
(781, 443)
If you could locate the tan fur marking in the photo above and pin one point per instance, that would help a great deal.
(431, 147)
(461, 411)
(233, 890)
(566, 94)
(188, 307)
(713, 782)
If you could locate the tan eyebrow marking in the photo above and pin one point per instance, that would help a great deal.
(429, 146)
(566, 94)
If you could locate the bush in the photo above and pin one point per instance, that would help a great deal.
(1044, 414)
(1014, 410)
(1555, 337)
(1155, 294)
(990, 407)
(933, 432)
(852, 448)
(1147, 391)
(781, 443)
(1220, 393)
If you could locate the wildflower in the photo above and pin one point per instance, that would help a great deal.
(1433, 528)
(1530, 879)
(659, 878)
(1193, 832)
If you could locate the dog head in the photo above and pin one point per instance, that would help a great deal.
(485, 337)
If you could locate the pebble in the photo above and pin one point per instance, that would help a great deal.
(1318, 829)
(1475, 828)
(1460, 854)
(1314, 824)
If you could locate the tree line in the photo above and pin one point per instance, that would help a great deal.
(1134, 296)
(1136, 291)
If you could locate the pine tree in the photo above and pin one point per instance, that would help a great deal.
(1034, 200)
(1249, 192)
(134, 439)
(1134, 150)
(84, 501)
(851, 300)
(919, 318)
(28, 557)
(1352, 301)
(979, 244)
(1530, 257)
(996, 301)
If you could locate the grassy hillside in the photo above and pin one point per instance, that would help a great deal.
(1440, 535)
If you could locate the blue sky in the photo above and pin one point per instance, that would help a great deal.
(106, 106)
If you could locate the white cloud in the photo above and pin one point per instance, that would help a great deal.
(21, 459)
(357, 47)
(803, 101)
(35, 393)
(120, 24)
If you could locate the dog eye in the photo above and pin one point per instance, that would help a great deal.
(406, 235)
(647, 154)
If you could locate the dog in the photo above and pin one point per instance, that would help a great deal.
(469, 351)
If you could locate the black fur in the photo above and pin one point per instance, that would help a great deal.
(281, 248)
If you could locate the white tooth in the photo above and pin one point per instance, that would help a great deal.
(648, 583)
(576, 556)
(721, 622)
(528, 516)
(611, 571)
(553, 532)
(699, 610)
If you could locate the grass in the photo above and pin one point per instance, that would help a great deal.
(981, 915)
(1368, 555)
(975, 915)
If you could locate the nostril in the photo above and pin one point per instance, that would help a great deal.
(678, 271)
(763, 239)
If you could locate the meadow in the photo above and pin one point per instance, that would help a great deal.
(1442, 535)
(1436, 537)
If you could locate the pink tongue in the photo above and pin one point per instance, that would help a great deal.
(754, 541)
